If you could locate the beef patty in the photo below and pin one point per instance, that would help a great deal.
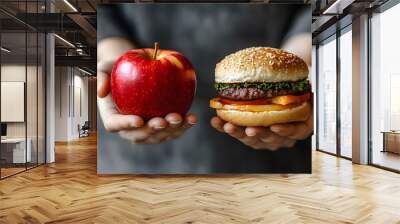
(252, 93)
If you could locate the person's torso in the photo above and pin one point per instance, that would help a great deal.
(204, 34)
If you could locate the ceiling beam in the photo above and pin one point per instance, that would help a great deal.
(79, 61)
(85, 25)
(337, 7)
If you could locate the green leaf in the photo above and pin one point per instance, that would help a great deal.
(297, 86)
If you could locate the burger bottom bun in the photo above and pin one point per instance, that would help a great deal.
(267, 118)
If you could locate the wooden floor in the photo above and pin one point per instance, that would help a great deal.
(5, 172)
(387, 159)
(70, 191)
(8, 171)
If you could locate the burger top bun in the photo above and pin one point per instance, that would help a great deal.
(260, 64)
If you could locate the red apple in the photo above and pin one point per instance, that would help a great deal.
(152, 83)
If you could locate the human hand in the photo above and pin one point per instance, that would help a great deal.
(132, 127)
(156, 130)
(270, 138)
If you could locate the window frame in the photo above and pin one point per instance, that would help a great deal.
(378, 10)
(29, 29)
(333, 37)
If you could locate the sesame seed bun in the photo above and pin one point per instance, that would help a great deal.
(260, 64)
(266, 118)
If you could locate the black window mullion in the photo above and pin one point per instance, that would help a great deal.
(44, 71)
(338, 74)
(45, 94)
(26, 86)
(316, 96)
(37, 90)
(369, 100)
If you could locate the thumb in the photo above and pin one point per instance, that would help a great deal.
(103, 84)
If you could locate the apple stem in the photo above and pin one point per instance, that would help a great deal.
(156, 46)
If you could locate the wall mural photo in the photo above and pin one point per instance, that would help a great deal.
(204, 88)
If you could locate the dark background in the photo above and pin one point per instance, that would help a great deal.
(205, 33)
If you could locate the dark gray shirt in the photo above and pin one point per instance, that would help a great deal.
(204, 33)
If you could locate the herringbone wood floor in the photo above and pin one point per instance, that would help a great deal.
(70, 191)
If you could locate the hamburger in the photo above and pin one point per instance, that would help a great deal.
(261, 86)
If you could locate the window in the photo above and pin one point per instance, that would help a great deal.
(385, 89)
(327, 96)
(22, 78)
(346, 92)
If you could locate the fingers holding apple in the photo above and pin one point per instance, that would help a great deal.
(108, 51)
(103, 84)
(103, 78)
(151, 91)
(158, 129)
(113, 121)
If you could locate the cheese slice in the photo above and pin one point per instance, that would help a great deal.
(289, 99)
(216, 104)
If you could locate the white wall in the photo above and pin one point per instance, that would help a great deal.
(70, 83)
(33, 126)
(80, 85)
(16, 73)
(61, 103)
(12, 73)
